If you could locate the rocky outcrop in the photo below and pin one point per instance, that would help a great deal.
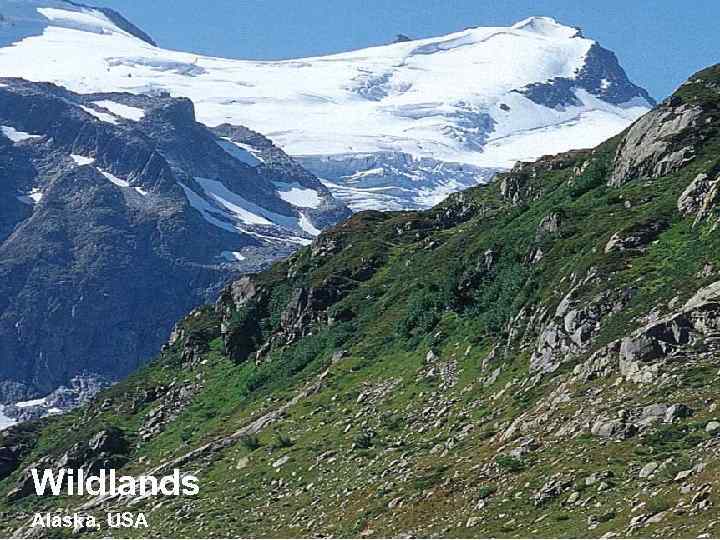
(574, 323)
(701, 198)
(654, 146)
(549, 225)
(601, 76)
(692, 330)
(104, 450)
(636, 238)
(520, 185)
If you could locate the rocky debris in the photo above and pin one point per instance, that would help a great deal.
(676, 411)
(106, 449)
(648, 469)
(712, 427)
(213, 448)
(526, 446)
(570, 330)
(654, 146)
(700, 199)
(81, 390)
(552, 489)
(446, 371)
(173, 400)
(549, 225)
(616, 428)
(373, 394)
(280, 462)
(600, 479)
(635, 239)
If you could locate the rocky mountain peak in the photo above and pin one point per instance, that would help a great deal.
(413, 139)
(547, 26)
(20, 19)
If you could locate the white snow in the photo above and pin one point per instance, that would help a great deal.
(239, 151)
(208, 211)
(82, 160)
(119, 182)
(239, 207)
(31, 403)
(31, 198)
(123, 111)
(114, 179)
(5, 421)
(86, 19)
(103, 117)
(232, 256)
(307, 226)
(229, 211)
(453, 98)
(392, 98)
(298, 196)
(17, 136)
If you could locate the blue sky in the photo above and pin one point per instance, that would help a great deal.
(659, 43)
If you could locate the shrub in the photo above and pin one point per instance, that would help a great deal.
(363, 440)
(659, 504)
(510, 464)
(251, 442)
(486, 491)
(282, 441)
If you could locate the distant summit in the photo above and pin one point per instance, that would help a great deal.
(20, 19)
(391, 127)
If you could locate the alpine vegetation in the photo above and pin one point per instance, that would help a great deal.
(535, 357)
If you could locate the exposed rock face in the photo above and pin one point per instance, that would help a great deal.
(520, 186)
(654, 145)
(570, 330)
(105, 450)
(701, 197)
(693, 329)
(79, 391)
(118, 214)
(636, 238)
(601, 75)
(286, 171)
(549, 225)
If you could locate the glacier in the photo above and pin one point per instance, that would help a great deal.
(386, 127)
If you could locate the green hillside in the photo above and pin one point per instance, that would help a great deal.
(539, 357)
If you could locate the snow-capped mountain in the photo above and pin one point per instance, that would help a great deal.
(394, 126)
(119, 213)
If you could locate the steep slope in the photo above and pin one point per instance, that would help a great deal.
(537, 358)
(119, 214)
(391, 127)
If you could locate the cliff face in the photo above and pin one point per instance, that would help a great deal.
(118, 214)
(536, 357)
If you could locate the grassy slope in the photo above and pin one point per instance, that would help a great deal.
(414, 453)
